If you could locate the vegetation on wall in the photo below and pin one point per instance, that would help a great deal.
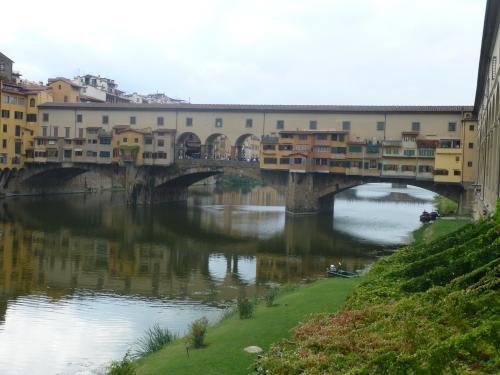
(236, 183)
(431, 308)
(445, 206)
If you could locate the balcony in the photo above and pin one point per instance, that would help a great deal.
(426, 152)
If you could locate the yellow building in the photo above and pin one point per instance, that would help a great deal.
(64, 90)
(19, 121)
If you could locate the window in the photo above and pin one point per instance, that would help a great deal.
(415, 126)
(298, 160)
(280, 124)
(105, 141)
(20, 101)
(6, 99)
(136, 140)
(104, 154)
(471, 128)
(66, 132)
(45, 117)
(148, 140)
(2, 66)
(284, 160)
(249, 123)
(321, 149)
(380, 126)
(4, 143)
(56, 131)
(313, 125)
(285, 147)
(18, 130)
(5, 128)
(65, 98)
(303, 137)
(189, 121)
(452, 126)
(321, 137)
(469, 164)
(339, 150)
(160, 121)
(5, 113)
(457, 158)
(79, 118)
(32, 102)
(105, 119)
(269, 147)
(409, 152)
(161, 142)
(346, 125)
(132, 120)
(124, 140)
(270, 160)
(44, 131)
(13, 100)
(456, 173)
(338, 137)
(80, 133)
(218, 123)
(355, 149)
(31, 117)
(471, 145)
(17, 148)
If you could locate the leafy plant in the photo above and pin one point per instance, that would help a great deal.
(197, 332)
(270, 296)
(245, 308)
(123, 367)
(153, 340)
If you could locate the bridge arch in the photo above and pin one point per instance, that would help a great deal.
(247, 146)
(188, 146)
(218, 146)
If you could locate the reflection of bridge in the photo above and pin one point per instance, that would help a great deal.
(305, 192)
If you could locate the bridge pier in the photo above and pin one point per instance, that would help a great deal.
(303, 195)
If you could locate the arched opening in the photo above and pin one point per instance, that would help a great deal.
(247, 147)
(218, 147)
(188, 146)
(32, 102)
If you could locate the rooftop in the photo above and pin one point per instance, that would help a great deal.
(262, 108)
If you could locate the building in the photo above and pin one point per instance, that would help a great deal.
(65, 90)
(101, 89)
(5, 68)
(487, 110)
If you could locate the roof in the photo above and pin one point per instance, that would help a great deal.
(68, 81)
(261, 108)
(490, 29)
(5, 57)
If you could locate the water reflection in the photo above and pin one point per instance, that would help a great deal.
(81, 277)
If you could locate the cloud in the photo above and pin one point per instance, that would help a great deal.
(314, 52)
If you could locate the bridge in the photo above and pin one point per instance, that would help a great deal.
(305, 193)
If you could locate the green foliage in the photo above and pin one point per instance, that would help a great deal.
(245, 308)
(197, 332)
(430, 308)
(153, 340)
(122, 367)
(445, 206)
(270, 295)
(229, 183)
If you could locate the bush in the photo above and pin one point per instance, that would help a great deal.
(445, 206)
(154, 339)
(270, 296)
(245, 308)
(123, 367)
(197, 329)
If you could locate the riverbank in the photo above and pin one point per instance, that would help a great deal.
(441, 227)
(431, 308)
(225, 341)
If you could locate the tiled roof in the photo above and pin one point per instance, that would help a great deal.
(265, 107)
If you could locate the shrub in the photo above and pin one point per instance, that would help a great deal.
(123, 367)
(245, 308)
(270, 296)
(197, 329)
(153, 340)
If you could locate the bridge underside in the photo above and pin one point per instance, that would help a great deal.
(305, 193)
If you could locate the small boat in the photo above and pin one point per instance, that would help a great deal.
(340, 273)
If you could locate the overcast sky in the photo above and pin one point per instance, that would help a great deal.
(281, 52)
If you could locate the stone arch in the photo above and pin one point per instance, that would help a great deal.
(218, 146)
(247, 146)
(188, 146)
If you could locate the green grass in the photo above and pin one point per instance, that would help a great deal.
(223, 353)
(441, 227)
(445, 206)
(430, 308)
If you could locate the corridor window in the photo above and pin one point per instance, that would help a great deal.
(452, 126)
(380, 126)
(280, 124)
(313, 125)
(415, 126)
(218, 123)
(132, 120)
(105, 119)
(160, 121)
(249, 123)
(346, 125)
(79, 118)
(189, 121)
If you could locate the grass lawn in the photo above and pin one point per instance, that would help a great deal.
(224, 353)
(429, 232)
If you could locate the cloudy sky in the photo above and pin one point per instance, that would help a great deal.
(273, 51)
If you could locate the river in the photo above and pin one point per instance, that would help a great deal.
(83, 276)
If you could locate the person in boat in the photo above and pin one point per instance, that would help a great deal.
(333, 268)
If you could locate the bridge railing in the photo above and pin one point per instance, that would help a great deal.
(216, 163)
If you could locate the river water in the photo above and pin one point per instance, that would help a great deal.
(83, 276)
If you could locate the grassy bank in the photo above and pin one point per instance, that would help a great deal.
(445, 206)
(441, 227)
(224, 353)
(431, 308)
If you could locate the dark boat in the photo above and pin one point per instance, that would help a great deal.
(340, 273)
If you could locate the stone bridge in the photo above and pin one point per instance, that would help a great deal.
(305, 192)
